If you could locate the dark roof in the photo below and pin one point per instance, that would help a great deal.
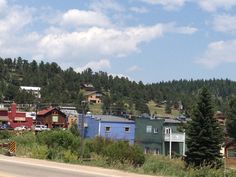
(45, 111)
(110, 118)
(93, 92)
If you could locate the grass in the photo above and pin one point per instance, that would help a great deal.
(95, 108)
(160, 111)
(27, 146)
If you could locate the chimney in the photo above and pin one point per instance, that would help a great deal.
(13, 110)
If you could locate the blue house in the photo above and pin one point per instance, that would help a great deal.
(108, 126)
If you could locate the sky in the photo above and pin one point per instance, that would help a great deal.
(144, 40)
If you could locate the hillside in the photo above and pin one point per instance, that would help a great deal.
(120, 94)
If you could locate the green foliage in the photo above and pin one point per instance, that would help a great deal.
(168, 108)
(231, 118)
(204, 134)
(27, 138)
(5, 134)
(62, 86)
(75, 130)
(107, 153)
(59, 139)
(116, 151)
(39, 151)
(70, 157)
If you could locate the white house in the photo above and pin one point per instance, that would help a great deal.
(34, 90)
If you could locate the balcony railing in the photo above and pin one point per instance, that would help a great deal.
(175, 137)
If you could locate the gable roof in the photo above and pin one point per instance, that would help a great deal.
(47, 110)
(92, 92)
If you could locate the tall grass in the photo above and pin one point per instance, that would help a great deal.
(60, 146)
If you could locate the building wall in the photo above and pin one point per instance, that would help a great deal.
(117, 131)
(48, 120)
(17, 119)
(149, 141)
(91, 127)
(93, 98)
(72, 120)
(95, 127)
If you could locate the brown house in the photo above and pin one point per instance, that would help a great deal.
(52, 117)
(94, 97)
(230, 154)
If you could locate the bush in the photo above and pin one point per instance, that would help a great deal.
(5, 134)
(39, 151)
(75, 130)
(70, 157)
(59, 138)
(27, 138)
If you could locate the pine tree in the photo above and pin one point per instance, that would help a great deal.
(168, 108)
(231, 119)
(204, 134)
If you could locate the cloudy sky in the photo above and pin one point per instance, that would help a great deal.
(148, 40)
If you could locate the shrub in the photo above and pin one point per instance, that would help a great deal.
(5, 134)
(122, 152)
(39, 151)
(75, 130)
(59, 138)
(27, 138)
(70, 157)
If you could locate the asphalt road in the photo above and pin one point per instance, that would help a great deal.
(26, 167)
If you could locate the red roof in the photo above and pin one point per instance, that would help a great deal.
(44, 111)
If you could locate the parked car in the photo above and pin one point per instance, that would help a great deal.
(20, 128)
(41, 128)
(5, 127)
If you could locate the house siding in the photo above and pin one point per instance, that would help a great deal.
(96, 127)
(117, 131)
(153, 142)
(149, 141)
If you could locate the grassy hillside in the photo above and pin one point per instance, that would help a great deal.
(95, 108)
(160, 111)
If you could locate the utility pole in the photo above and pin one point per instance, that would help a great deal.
(83, 105)
(170, 142)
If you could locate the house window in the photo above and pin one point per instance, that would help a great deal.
(149, 129)
(108, 129)
(155, 130)
(167, 130)
(232, 152)
(127, 129)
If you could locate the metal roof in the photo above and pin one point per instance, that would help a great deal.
(30, 88)
(110, 118)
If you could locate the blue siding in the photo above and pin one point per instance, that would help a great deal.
(117, 131)
(92, 129)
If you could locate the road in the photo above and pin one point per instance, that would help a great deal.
(26, 167)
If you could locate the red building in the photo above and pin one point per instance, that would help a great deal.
(52, 117)
(17, 118)
(4, 116)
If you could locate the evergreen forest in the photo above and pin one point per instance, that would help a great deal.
(120, 95)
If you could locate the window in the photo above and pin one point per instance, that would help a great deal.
(167, 130)
(155, 130)
(127, 129)
(232, 152)
(108, 129)
(149, 129)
